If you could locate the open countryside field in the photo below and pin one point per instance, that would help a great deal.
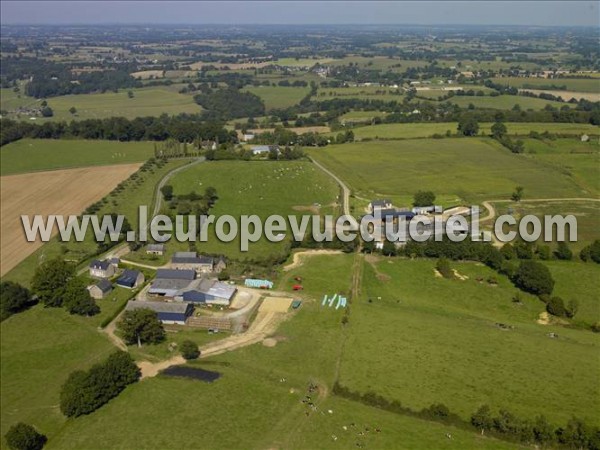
(466, 170)
(31, 155)
(262, 188)
(442, 345)
(571, 84)
(579, 160)
(505, 102)
(152, 101)
(251, 381)
(422, 130)
(276, 97)
(56, 192)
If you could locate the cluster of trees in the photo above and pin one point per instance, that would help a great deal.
(56, 285)
(141, 326)
(424, 198)
(86, 391)
(183, 128)
(191, 203)
(14, 298)
(226, 104)
(505, 425)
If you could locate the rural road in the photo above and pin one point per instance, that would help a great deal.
(345, 190)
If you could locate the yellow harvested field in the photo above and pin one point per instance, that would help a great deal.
(61, 192)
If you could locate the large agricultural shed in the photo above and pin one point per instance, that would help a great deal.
(168, 313)
(207, 291)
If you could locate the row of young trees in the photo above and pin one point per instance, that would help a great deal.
(504, 425)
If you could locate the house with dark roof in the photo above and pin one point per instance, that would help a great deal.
(192, 261)
(130, 279)
(101, 289)
(101, 269)
(167, 313)
(379, 204)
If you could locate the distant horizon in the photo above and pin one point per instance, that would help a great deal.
(572, 13)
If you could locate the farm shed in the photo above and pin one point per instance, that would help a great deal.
(155, 249)
(211, 292)
(168, 287)
(130, 279)
(100, 289)
(175, 274)
(101, 269)
(379, 204)
(168, 313)
(192, 261)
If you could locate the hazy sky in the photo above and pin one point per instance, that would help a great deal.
(567, 12)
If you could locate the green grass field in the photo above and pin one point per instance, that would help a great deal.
(276, 97)
(456, 170)
(40, 348)
(262, 188)
(424, 339)
(576, 159)
(250, 404)
(421, 130)
(505, 102)
(572, 84)
(31, 155)
(152, 101)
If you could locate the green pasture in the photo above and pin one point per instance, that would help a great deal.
(572, 84)
(31, 155)
(276, 97)
(258, 187)
(467, 170)
(422, 339)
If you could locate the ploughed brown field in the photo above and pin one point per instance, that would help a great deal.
(67, 191)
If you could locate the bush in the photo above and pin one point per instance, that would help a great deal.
(84, 392)
(424, 198)
(443, 267)
(556, 307)
(534, 277)
(563, 252)
(13, 298)
(24, 437)
(591, 252)
(189, 350)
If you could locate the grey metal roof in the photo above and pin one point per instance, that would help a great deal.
(175, 307)
(185, 255)
(192, 260)
(174, 274)
(156, 247)
(167, 286)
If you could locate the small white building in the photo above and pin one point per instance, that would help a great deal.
(101, 269)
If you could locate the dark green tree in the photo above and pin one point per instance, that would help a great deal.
(482, 418)
(77, 299)
(50, 281)
(534, 277)
(498, 130)
(563, 251)
(141, 326)
(24, 437)
(468, 126)
(189, 350)
(423, 198)
(13, 298)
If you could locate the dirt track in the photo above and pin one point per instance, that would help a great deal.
(62, 192)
